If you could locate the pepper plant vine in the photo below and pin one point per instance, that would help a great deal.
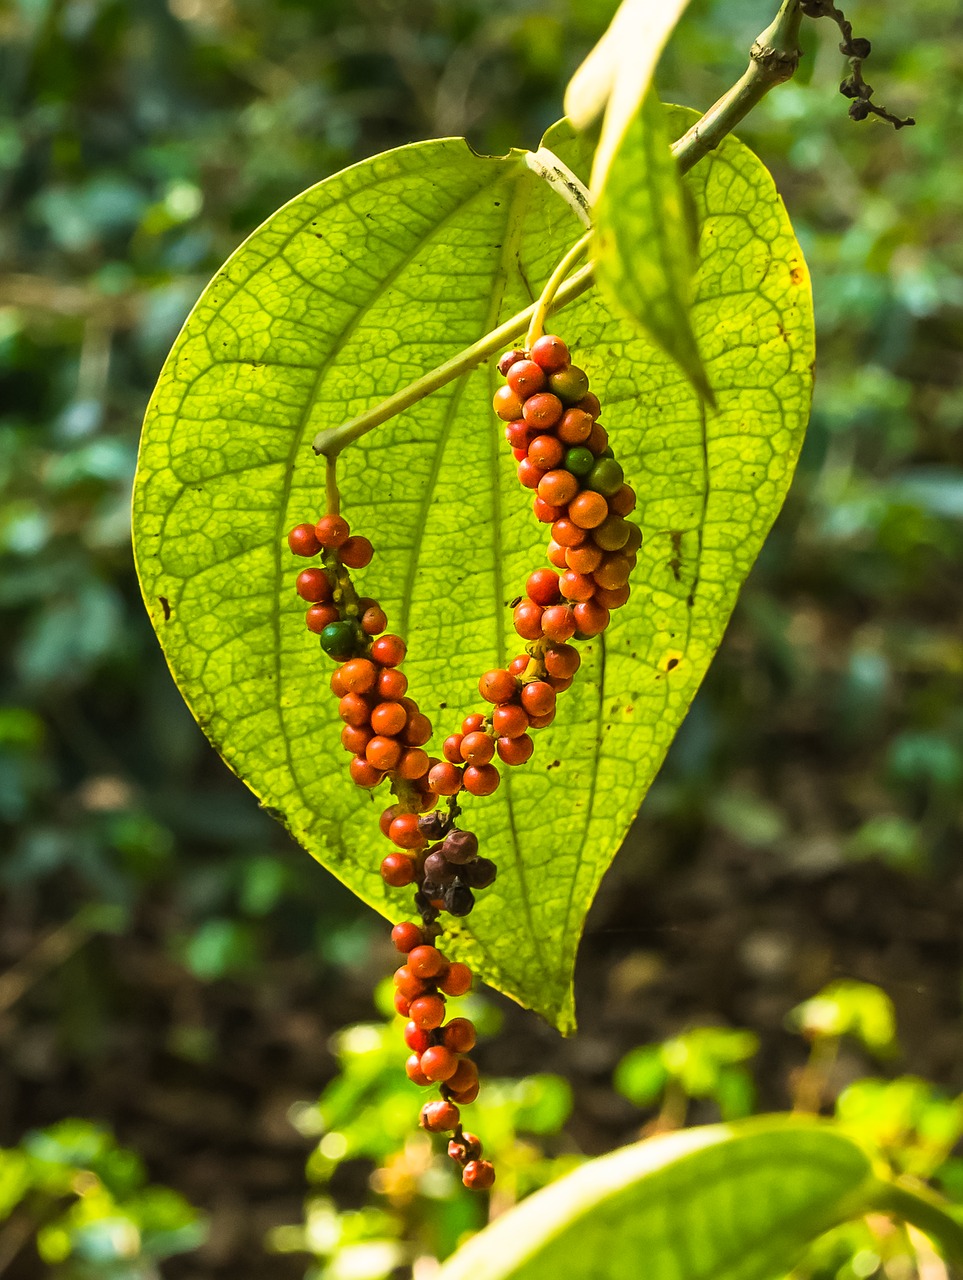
(348, 326)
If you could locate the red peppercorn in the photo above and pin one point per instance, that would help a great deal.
(439, 1116)
(364, 773)
(459, 1035)
(480, 779)
(469, 1095)
(587, 510)
(513, 751)
(445, 779)
(410, 986)
(401, 1004)
(546, 452)
(510, 720)
(556, 552)
(389, 650)
(525, 377)
(517, 667)
(374, 621)
(519, 434)
(359, 675)
(507, 404)
(538, 697)
(356, 552)
(414, 1071)
(542, 410)
(477, 748)
(472, 723)
(389, 718)
(451, 747)
(383, 753)
(590, 404)
(550, 353)
(391, 684)
(568, 534)
(506, 361)
(542, 587)
(527, 618)
(397, 870)
(426, 962)
(558, 487)
(303, 541)
(545, 513)
(405, 833)
(558, 622)
(542, 722)
(338, 686)
(438, 1063)
(413, 764)
(560, 683)
(464, 1076)
(621, 502)
(406, 936)
(598, 441)
(497, 686)
(355, 738)
(417, 731)
(416, 1039)
(332, 531)
(388, 817)
(612, 597)
(562, 660)
(584, 559)
(313, 585)
(457, 981)
(528, 474)
(320, 616)
(591, 618)
(574, 586)
(574, 427)
(428, 1012)
(478, 1175)
(518, 454)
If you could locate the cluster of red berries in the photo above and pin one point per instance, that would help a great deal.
(563, 454)
(385, 731)
(438, 1049)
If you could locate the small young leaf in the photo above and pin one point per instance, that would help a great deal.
(645, 243)
(733, 1202)
(617, 73)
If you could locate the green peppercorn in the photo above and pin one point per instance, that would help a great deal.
(612, 534)
(579, 460)
(339, 640)
(606, 477)
(570, 385)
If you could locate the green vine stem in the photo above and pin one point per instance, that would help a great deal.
(918, 1206)
(331, 490)
(555, 281)
(772, 61)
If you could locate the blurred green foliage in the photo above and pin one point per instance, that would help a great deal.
(89, 1204)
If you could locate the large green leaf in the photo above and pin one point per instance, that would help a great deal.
(642, 203)
(342, 297)
(727, 1202)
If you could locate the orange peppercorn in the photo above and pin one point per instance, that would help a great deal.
(587, 510)
(332, 531)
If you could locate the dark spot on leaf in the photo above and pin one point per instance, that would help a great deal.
(166, 606)
(498, 204)
(675, 564)
(517, 601)
(795, 274)
(442, 706)
(554, 765)
(672, 664)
